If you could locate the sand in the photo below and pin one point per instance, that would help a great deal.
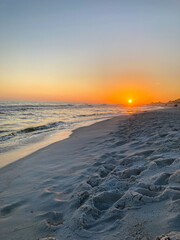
(117, 179)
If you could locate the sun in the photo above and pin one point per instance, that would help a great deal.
(129, 101)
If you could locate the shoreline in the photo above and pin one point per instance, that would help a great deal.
(114, 179)
(58, 136)
(70, 135)
(32, 143)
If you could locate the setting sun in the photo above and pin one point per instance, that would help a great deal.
(130, 101)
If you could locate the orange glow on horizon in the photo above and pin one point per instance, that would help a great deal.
(132, 93)
(116, 89)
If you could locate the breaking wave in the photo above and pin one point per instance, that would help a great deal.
(31, 129)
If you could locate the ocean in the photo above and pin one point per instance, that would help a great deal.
(28, 126)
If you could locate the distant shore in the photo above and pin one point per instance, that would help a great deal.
(116, 179)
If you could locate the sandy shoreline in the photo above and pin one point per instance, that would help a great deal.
(116, 179)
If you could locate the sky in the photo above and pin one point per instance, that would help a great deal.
(90, 50)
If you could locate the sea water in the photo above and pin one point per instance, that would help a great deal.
(28, 126)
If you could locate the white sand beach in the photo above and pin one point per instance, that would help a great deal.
(116, 179)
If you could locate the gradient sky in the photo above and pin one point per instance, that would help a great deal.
(90, 50)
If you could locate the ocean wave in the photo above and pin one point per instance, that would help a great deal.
(6, 137)
(31, 129)
(89, 115)
(23, 108)
(102, 114)
(9, 109)
(2, 131)
(42, 127)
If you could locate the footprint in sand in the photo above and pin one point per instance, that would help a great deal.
(8, 209)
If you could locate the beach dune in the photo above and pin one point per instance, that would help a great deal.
(116, 179)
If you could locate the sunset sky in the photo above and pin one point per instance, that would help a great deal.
(90, 50)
